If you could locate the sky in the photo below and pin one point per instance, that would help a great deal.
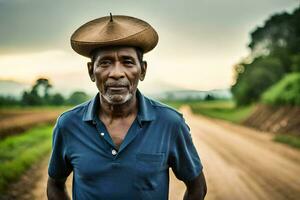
(199, 40)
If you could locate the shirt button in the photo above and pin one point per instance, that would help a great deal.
(102, 134)
(114, 152)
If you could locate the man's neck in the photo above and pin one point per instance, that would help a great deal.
(118, 111)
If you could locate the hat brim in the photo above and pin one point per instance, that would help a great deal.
(146, 39)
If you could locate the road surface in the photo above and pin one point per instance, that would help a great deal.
(240, 163)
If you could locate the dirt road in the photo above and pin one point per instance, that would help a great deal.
(239, 163)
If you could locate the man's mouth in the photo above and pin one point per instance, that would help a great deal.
(117, 88)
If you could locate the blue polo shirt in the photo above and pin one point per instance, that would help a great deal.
(157, 140)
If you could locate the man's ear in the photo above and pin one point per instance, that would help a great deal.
(143, 70)
(91, 71)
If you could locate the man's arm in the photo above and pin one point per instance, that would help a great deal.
(56, 189)
(196, 188)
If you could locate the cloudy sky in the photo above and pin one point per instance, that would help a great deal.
(199, 40)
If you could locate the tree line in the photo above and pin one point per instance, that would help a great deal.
(40, 95)
(274, 57)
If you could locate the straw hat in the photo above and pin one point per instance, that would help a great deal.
(114, 30)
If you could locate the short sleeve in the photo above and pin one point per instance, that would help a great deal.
(184, 159)
(59, 165)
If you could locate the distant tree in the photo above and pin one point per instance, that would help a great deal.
(42, 87)
(209, 97)
(279, 37)
(31, 98)
(8, 101)
(296, 63)
(77, 97)
(255, 78)
(275, 52)
(280, 31)
(39, 93)
(57, 99)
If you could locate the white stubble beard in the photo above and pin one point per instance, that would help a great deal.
(125, 99)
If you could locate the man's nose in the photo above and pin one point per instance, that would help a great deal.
(117, 71)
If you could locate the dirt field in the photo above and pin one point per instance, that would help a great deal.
(239, 164)
(14, 122)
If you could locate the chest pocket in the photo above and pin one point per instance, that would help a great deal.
(149, 170)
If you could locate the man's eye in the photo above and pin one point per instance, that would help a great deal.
(104, 62)
(128, 62)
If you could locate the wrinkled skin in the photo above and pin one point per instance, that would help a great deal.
(117, 72)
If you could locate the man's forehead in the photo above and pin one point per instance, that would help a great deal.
(112, 51)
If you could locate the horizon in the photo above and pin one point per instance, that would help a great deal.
(211, 37)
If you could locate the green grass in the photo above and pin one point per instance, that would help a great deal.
(290, 140)
(284, 92)
(18, 153)
(174, 104)
(226, 111)
(220, 109)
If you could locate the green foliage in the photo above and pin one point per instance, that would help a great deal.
(280, 31)
(209, 97)
(220, 109)
(275, 52)
(31, 98)
(18, 153)
(225, 110)
(285, 92)
(77, 97)
(57, 99)
(39, 94)
(296, 63)
(291, 140)
(255, 78)
(8, 101)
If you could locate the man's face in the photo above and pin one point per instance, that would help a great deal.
(117, 72)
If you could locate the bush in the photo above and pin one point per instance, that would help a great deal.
(77, 97)
(285, 92)
(256, 78)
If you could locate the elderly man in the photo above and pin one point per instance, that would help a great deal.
(121, 144)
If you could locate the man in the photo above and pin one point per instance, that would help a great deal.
(121, 144)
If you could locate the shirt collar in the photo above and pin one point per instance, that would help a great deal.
(90, 108)
(145, 110)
